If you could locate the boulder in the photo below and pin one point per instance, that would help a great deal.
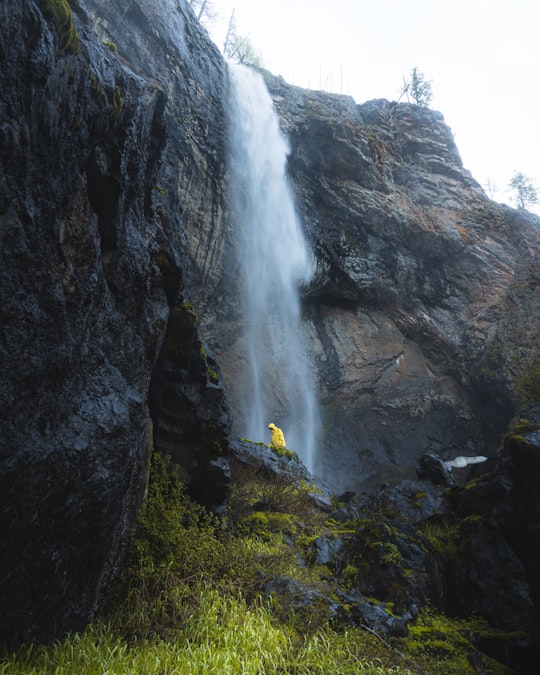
(433, 468)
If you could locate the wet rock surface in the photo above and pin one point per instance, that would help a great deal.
(92, 255)
(431, 467)
(468, 550)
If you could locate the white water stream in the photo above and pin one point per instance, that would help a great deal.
(274, 260)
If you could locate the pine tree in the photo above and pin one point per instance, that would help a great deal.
(524, 191)
(418, 88)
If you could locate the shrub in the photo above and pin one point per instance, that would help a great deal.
(174, 532)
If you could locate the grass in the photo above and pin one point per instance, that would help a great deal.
(223, 636)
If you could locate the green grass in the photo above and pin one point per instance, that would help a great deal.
(221, 635)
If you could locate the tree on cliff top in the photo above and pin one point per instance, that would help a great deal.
(239, 48)
(525, 193)
(418, 88)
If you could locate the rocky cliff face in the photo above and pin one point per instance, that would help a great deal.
(422, 317)
(115, 273)
(95, 322)
(422, 285)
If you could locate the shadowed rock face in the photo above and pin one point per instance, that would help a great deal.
(93, 292)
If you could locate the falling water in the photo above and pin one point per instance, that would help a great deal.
(274, 261)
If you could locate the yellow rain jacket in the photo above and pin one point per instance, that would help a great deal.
(278, 439)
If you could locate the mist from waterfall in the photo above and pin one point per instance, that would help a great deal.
(277, 384)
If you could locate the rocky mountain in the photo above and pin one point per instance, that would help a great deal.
(422, 318)
(115, 321)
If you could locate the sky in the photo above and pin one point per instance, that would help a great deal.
(481, 56)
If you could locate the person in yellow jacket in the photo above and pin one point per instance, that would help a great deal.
(278, 439)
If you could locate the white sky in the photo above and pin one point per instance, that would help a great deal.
(482, 56)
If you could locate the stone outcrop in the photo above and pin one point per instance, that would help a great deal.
(110, 137)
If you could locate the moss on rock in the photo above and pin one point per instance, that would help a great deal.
(59, 12)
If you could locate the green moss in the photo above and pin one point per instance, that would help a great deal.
(312, 489)
(162, 261)
(351, 573)
(450, 538)
(188, 307)
(212, 375)
(255, 443)
(419, 496)
(110, 45)
(264, 523)
(529, 385)
(444, 536)
(305, 541)
(368, 130)
(283, 452)
(449, 642)
(523, 427)
(59, 12)
(474, 482)
(392, 555)
(516, 433)
(210, 372)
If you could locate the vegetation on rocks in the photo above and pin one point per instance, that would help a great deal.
(59, 12)
(530, 384)
(195, 595)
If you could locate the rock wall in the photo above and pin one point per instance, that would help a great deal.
(110, 137)
(422, 319)
(421, 281)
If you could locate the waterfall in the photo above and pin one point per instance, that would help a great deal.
(273, 260)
